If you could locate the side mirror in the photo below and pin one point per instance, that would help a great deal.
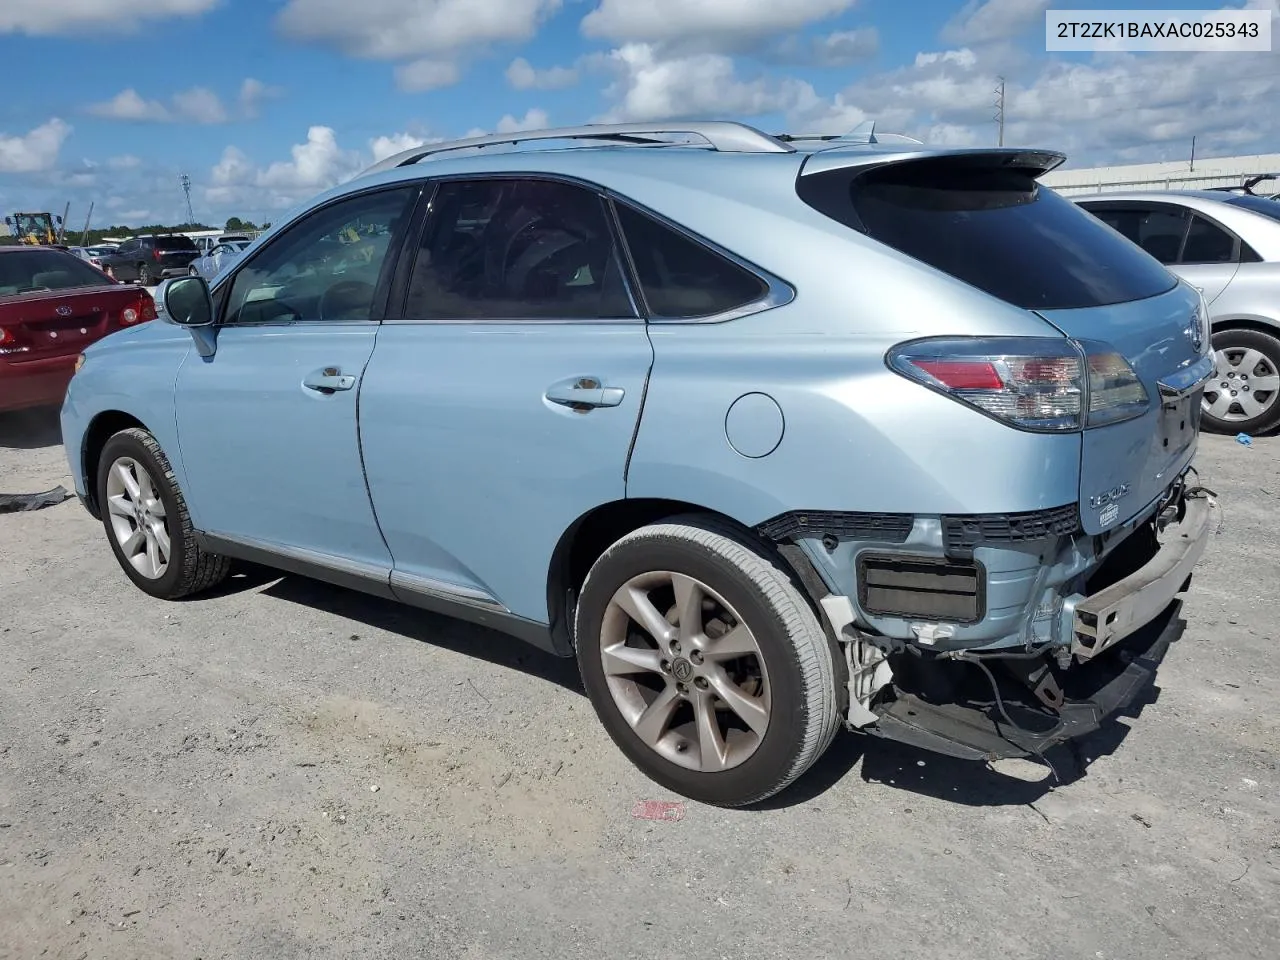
(186, 301)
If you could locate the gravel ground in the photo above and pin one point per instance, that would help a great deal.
(198, 779)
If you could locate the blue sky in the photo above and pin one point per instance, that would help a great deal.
(264, 102)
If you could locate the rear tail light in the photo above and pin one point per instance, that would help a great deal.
(1048, 385)
(138, 311)
(6, 337)
(155, 254)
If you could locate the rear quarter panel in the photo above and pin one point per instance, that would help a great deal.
(131, 372)
(1253, 297)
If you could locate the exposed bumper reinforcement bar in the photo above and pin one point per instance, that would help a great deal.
(1121, 609)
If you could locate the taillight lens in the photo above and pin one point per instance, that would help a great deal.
(1048, 385)
(155, 254)
(138, 311)
(5, 337)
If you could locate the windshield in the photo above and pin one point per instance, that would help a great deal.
(28, 271)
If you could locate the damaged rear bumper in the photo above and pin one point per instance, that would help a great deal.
(986, 706)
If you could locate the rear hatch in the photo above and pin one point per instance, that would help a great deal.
(982, 217)
(54, 304)
(175, 251)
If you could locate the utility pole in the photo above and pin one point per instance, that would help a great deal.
(999, 117)
(84, 235)
(1193, 154)
(186, 189)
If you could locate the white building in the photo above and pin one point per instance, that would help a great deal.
(1174, 175)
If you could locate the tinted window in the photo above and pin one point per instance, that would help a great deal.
(1262, 205)
(26, 271)
(998, 230)
(1208, 243)
(680, 277)
(175, 243)
(513, 249)
(327, 267)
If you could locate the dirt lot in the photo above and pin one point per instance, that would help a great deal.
(197, 780)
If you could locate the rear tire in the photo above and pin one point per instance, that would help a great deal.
(739, 696)
(1244, 394)
(147, 522)
(144, 275)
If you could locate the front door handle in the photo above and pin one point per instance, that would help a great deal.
(328, 380)
(584, 393)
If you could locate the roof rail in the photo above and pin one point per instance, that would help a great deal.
(722, 135)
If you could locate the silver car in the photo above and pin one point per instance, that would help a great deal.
(211, 264)
(1228, 245)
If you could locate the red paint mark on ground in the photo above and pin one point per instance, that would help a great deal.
(658, 810)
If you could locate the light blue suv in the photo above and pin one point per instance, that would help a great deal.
(775, 435)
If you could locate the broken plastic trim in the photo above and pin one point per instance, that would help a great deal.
(24, 502)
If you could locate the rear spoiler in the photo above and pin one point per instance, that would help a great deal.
(1035, 162)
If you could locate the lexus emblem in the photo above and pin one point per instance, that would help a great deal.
(63, 311)
(1194, 333)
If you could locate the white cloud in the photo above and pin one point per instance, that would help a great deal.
(982, 21)
(197, 105)
(34, 151)
(722, 24)
(650, 86)
(53, 17)
(126, 161)
(534, 119)
(319, 163)
(409, 29)
(253, 93)
(391, 144)
(426, 74)
(200, 105)
(524, 76)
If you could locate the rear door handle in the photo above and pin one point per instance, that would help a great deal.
(328, 380)
(584, 393)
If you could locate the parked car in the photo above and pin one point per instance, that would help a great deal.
(148, 260)
(206, 244)
(212, 263)
(52, 305)
(92, 255)
(1227, 245)
(704, 419)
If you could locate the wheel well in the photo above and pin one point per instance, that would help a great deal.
(1259, 326)
(592, 534)
(104, 426)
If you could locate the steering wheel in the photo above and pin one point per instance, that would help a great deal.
(340, 299)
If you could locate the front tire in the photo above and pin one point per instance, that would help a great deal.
(144, 275)
(147, 522)
(705, 663)
(1244, 394)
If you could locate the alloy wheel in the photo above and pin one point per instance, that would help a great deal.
(138, 518)
(685, 671)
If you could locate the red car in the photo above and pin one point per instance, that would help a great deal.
(52, 306)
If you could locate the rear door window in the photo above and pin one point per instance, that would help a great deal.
(1208, 243)
(996, 229)
(680, 277)
(508, 249)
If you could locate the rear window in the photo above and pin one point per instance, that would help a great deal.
(175, 243)
(995, 229)
(1262, 205)
(29, 271)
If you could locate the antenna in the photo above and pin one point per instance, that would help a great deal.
(999, 117)
(186, 189)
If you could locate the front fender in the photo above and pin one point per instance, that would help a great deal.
(125, 377)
